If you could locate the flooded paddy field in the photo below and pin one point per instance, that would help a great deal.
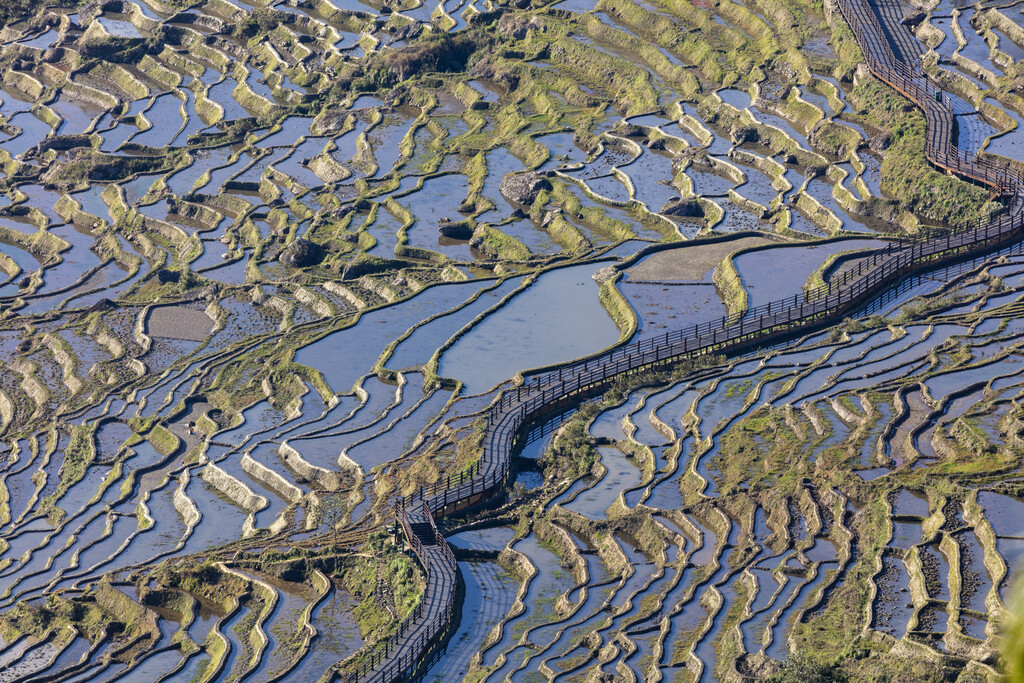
(264, 268)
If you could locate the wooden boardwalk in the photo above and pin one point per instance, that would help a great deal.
(886, 43)
(890, 52)
(404, 655)
(905, 47)
(401, 657)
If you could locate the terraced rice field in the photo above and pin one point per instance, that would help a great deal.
(264, 267)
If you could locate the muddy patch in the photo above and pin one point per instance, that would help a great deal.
(178, 322)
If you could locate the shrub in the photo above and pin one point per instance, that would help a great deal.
(258, 21)
(438, 52)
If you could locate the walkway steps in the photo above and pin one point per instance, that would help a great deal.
(424, 531)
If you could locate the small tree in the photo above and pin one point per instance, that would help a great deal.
(331, 510)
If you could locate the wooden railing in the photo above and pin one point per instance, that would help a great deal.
(940, 147)
(548, 391)
(389, 661)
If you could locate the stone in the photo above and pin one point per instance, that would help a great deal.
(456, 230)
(165, 276)
(301, 254)
(103, 305)
(605, 274)
(523, 188)
(549, 217)
(913, 19)
(743, 134)
(880, 142)
(684, 208)
(369, 265)
(408, 31)
(815, 171)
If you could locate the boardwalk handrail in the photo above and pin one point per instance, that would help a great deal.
(883, 267)
(845, 294)
(939, 146)
(413, 539)
(408, 659)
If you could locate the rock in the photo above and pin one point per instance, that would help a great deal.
(508, 79)
(517, 213)
(456, 230)
(913, 19)
(605, 274)
(165, 276)
(697, 156)
(409, 31)
(523, 188)
(301, 254)
(742, 134)
(880, 142)
(400, 282)
(549, 217)
(23, 346)
(103, 305)
(631, 130)
(64, 142)
(24, 282)
(516, 26)
(330, 122)
(364, 264)
(684, 208)
(467, 205)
